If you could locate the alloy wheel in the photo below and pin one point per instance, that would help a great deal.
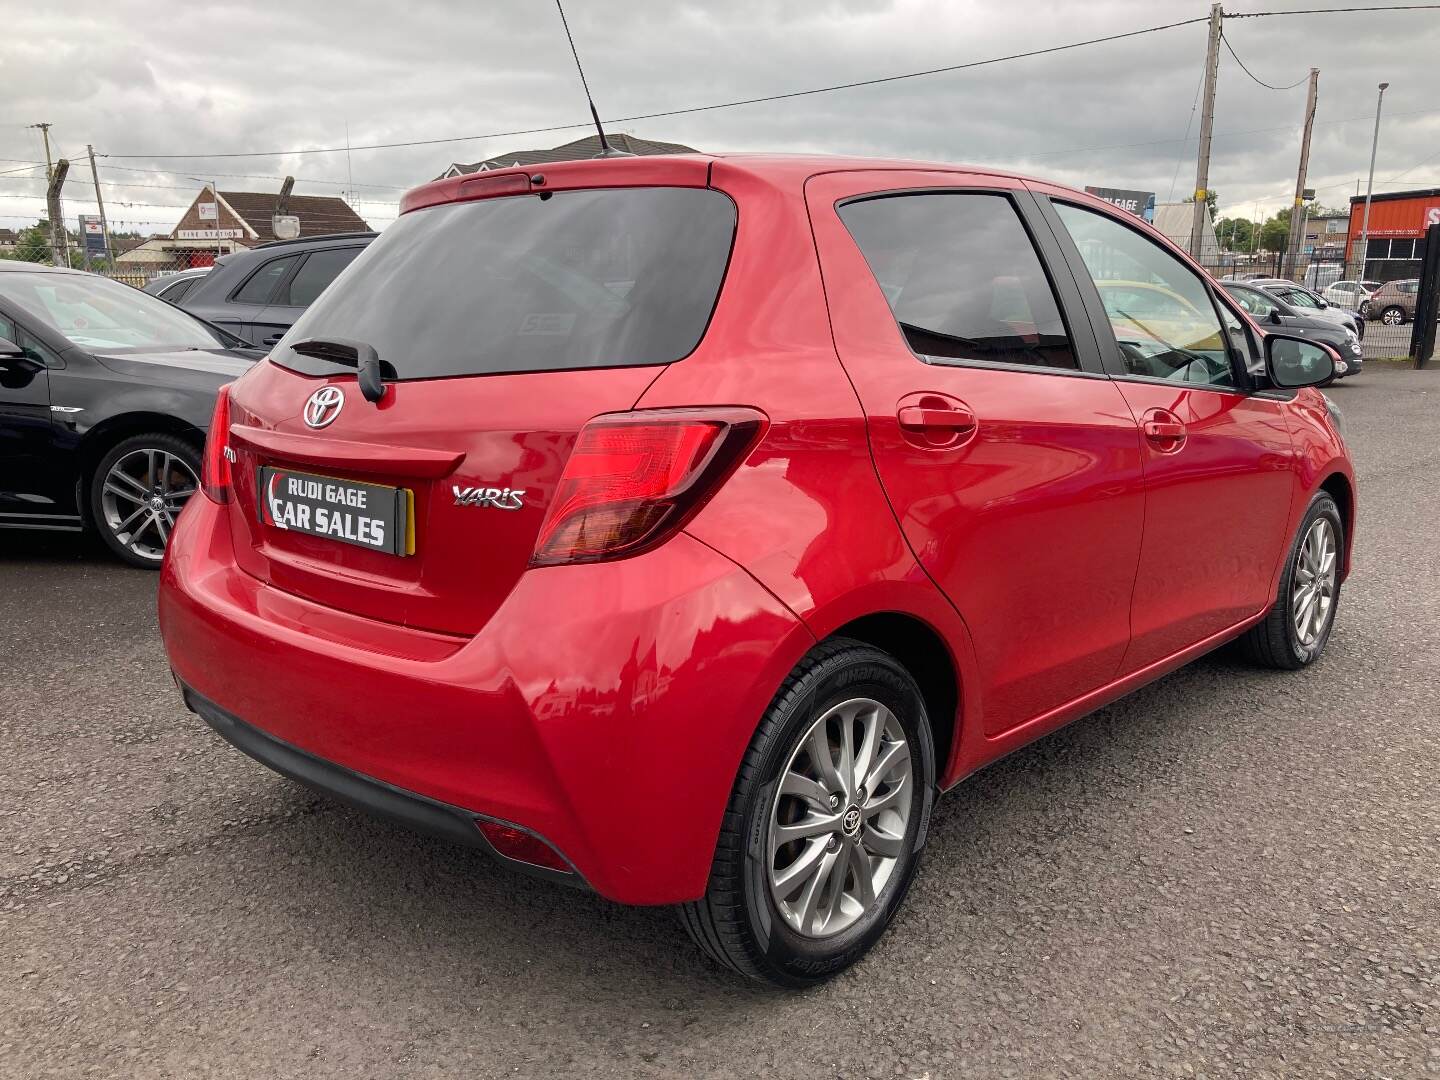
(1392, 316)
(839, 818)
(1312, 589)
(144, 493)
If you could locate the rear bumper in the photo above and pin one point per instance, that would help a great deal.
(373, 796)
(604, 708)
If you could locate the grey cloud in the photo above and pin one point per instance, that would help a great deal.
(135, 77)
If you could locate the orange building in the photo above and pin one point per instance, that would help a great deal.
(1397, 231)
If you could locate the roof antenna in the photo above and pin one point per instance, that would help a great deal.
(606, 150)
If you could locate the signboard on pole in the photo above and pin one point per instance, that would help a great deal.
(92, 228)
(1139, 203)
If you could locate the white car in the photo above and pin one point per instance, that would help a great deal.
(1350, 294)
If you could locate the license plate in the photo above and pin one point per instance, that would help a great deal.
(367, 515)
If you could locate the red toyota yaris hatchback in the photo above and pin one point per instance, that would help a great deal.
(681, 527)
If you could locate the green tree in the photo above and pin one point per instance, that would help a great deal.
(34, 243)
(1275, 233)
(1235, 233)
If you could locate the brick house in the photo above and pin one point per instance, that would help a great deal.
(219, 222)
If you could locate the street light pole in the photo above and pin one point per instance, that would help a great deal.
(1370, 184)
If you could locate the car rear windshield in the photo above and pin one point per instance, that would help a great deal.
(616, 277)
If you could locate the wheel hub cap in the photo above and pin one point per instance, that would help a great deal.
(142, 496)
(838, 821)
(1312, 591)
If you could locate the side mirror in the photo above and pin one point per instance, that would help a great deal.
(1294, 362)
(9, 350)
(1275, 316)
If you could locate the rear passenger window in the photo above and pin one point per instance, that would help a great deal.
(962, 278)
(262, 283)
(319, 270)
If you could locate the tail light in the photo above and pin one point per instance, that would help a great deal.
(215, 469)
(633, 479)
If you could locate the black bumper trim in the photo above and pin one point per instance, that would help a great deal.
(375, 797)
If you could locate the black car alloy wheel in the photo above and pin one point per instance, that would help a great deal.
(138, 491)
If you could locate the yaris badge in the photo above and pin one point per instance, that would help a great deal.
(498, 498)
(323, 406)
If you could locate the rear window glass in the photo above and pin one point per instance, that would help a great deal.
(577, 279)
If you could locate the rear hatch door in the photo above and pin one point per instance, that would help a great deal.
(503, 326)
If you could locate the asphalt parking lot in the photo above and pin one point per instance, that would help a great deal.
(1231, 873)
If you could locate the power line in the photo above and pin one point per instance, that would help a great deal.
(251, 176)
(1231, 49)
(1222, 134)
(1330, 11)
(691, 109)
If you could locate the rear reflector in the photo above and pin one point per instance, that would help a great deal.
(633, 479)
(521, 846)
(215, 468)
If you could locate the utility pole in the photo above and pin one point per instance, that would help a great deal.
(1293, 246)
(58, 253)
(57, 227)
(100, 203)
(1369, 185)
(1207, 120)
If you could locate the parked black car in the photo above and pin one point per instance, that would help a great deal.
(105, 397)
(1268, 308)
(258, 294)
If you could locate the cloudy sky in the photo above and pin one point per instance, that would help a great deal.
(199, 80)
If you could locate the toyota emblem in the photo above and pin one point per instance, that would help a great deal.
(323, 406)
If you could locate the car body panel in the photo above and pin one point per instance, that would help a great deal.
(1055, 454)
(550, 730)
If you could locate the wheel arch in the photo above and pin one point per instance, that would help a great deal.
(1338, 486)
(98, 440)
(922, 651)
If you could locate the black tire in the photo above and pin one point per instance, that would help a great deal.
(1274, 642)
(737, 922)
(1395, 310)
(147, 550)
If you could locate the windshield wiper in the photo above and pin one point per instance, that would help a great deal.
(370, 370)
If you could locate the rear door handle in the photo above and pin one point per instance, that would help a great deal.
(1163, 430)
(921, 418)
(273, 339)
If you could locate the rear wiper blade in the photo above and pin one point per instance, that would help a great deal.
(370, 370)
